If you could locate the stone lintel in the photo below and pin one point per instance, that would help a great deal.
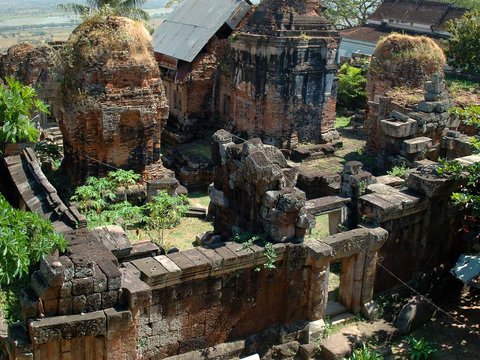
(348, 243)
(60, 328)
(326, 204)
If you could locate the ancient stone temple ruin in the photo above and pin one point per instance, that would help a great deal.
(403, 63)
(254, 191)
(278, 81)
(113, 100)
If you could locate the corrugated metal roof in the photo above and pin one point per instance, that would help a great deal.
(193, 23)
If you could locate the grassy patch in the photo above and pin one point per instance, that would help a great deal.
(199, 198)
(321, 227)
(181, 236)
(200, 149)
(456, 85)
(10, 300)
(342, 121)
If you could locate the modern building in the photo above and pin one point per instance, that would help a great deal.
(414, 17)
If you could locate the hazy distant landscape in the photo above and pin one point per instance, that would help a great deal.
(39, 21)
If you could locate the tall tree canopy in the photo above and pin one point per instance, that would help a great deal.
(127, 8)
(463, 47)
(348, 13)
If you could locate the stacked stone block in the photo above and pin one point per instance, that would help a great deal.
(254, 191)
(85, 280)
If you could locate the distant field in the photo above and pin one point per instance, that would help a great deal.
(39, 21)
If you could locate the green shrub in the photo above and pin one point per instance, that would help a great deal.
(420, 349)
(24, 238)
(165, 212)
(17, 103)
(351, 87)
(399, 171)
(364, 353)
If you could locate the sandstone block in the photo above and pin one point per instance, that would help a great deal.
(52, 270)
(117, 320)
(82, 286)
(65, 328)
(83, 265)
(416, 145)
(79, 304)
(397, 129)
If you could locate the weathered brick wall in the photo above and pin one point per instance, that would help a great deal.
(422, 224)
(172, 304)
(281, 83)
(113, 101)
(235, 301)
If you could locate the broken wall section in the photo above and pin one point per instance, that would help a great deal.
(254, 191)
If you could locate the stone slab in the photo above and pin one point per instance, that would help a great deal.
(60, 328)
(397, 129)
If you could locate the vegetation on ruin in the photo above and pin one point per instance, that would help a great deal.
(396, 50)
(364, 353)
(467, 199)
(351, 87)
(463, 47)
(469, 115)
(165, 212)
(420, 349)
(98, 202)
(97, 40)
(24, 238)
(17, 105)
(247, 239)
(10, 300)
(126, 8)
(400, 171)
(102, 202)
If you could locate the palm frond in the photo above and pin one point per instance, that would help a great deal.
(76, 9)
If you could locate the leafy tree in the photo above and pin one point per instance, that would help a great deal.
(165, 212)
(463, 47)
(348, 13)
(24, 238)
(127, 8)
(17, 103)
(123, 177)
(351, 87)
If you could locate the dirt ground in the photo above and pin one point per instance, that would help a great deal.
(455, 341)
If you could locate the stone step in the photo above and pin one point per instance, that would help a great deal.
(342, 318)
(334, 308)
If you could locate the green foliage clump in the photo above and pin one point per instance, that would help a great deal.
(247, 239)
(420, 349)
(469, 115)
(97, 200)
(364, 353)
(17, 103)
(463, 47)
(24, 238)
(49, 152)
(10, 300)
(351, 87)
(467, 199)
(399, 171)
(165, 212)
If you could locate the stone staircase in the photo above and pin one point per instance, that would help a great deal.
(337, 313)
